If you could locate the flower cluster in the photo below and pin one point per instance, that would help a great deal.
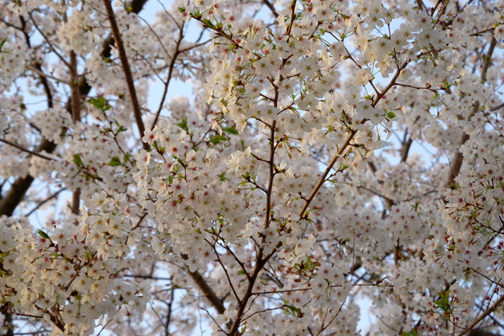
(334, 151)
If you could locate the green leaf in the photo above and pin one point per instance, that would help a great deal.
(230, 130)
(217, 139)
(404, 333)
(121, 128)
(99, 102)
(181, 10)
(179, 161)
(342, 166)
(183, 125)
(391, 115)
(115, 162)
(208, 23)
(242, 272)
(43, 234)
(222, 176)
(413, 332)
(126, 158)
(77, 159)
(293, 311)
(2, 43)
(443, 301)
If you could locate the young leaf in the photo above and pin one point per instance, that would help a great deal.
(2, 43)
(77, 159)
(99, 102)
(115, 162)
(208, 23)
(43, 234)
(230, 130)
(183, 125)
(217, 139)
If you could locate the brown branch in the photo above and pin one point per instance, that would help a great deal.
(45, 84)
(194, 46)
(392, 83)
(48, 42)
(293, 9)
(480, 332)
(75, 106)
(127, 71)
(418, 87)
(271, 173)
(405, 149)
(18, 188)
(74, 85)
(207, 291)
(482, 32)
(170, 308)
(40, 73)
(260, 262)
(146, 277)
(225, 271)
(435, 7)
(44, 202)
(488, 59)
(326, 172)
(170, 73)
(482, 316)
(26, 150)
(459, 157)
(271, 7)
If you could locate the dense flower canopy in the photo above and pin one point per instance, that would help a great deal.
(335, 153)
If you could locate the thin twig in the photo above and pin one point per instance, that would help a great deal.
(45, 201)
(27, 150)
(271, 7)
(326, 172)
(170, 73)
(482, 316)
(40, 73)
(48, 42)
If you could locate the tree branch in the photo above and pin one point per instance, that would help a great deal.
(459, 158)
(271, 7)
(40, 73)
(18, 189)
(170, 73)
(482, 316)
(326, 172)
(45, 201)
(26, 150)
(127, 71)
(207, 291)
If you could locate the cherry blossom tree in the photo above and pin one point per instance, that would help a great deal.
(334, 153)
